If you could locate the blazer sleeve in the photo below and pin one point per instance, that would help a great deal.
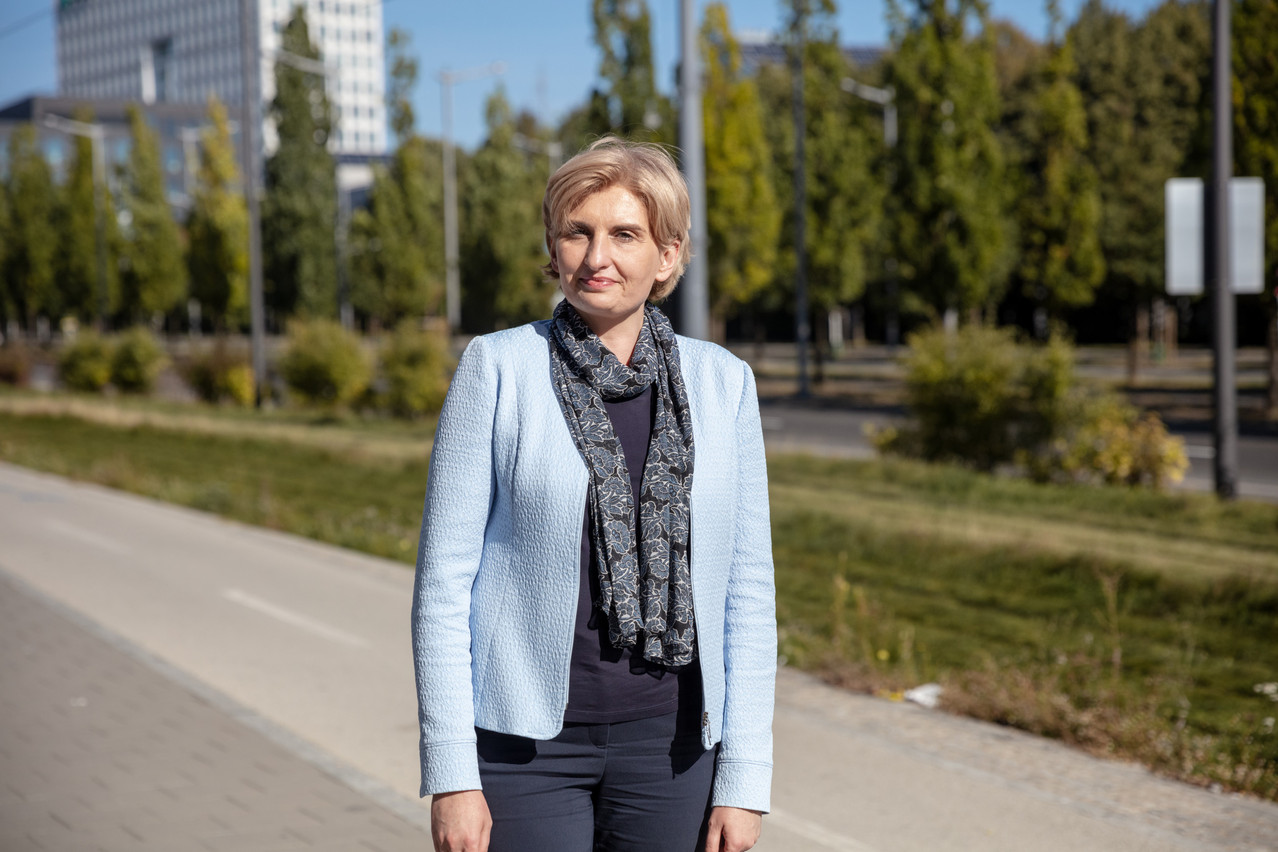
(743, 776)
(459, 493)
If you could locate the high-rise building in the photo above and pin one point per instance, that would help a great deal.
(182, 51)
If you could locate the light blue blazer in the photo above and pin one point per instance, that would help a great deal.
(498, 564)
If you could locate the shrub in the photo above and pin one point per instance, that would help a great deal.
(324, 364)
(15, 365)
(218, 373)
(416, 367)
(85, 364)
(980, 398)
(136, 361)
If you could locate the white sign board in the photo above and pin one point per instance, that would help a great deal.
(1184, 235)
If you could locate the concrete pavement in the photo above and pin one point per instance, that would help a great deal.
(287, 649)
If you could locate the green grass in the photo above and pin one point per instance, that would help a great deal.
(1126, 622)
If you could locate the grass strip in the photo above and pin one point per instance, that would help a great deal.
(1134, 624)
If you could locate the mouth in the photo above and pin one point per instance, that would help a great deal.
(596, 283)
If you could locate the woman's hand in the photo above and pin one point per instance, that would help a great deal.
(460, 822)
(733, 829)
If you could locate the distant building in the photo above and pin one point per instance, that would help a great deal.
(760, 48)
(182, 51)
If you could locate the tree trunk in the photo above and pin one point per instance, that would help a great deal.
(1138, 346)
(857, 325)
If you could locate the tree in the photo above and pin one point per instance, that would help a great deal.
(743, 220)
(948, 198)
(629, 104)
(503, 238)
(76, 221)
(154, 279)
(1143, 88)
(30, 238)
(1255, 93)
(1059, 207)
(217, 228)
(299, 213)
(396, 259)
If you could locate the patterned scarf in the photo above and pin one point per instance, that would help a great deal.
(645, 586)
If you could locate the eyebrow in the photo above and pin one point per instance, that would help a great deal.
(576, 223)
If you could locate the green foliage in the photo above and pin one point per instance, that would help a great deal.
(503, 238)
(217, 228)
(629, 105)
(403, 79)
(979, 398)
(299, 212)
(1108, 440)
(948, 200)
(217, 373)
(136, 361)
(743, 220)
(324, 364)
(1059, 206)
(154, 279)
(29, 286)
(418, 369)
(76, 225)
(85, 364)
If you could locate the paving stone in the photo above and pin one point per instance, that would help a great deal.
(101, 752)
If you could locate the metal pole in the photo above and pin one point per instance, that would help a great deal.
(802, 330)
(452, 276)
(694, 296)
(249, 70)
(1218, 268)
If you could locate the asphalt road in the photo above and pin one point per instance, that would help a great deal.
(310, 645)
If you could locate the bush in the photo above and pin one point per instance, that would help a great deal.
(15, 365)
(136, 361)
(218, 373)
(324, 364)
(85, 364)
(416, 367)
(980, 398)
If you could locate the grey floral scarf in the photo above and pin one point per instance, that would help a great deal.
(645, 585)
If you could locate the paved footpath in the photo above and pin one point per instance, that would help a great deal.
(173, 681)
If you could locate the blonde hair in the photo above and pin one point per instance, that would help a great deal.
(645, 170)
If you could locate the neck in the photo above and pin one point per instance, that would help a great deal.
(620, 337)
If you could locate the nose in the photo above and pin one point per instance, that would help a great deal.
(597, 252)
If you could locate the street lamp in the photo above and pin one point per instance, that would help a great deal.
(885, 98)
(452, 278)
(95, 133)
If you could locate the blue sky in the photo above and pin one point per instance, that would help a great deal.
(550, 59)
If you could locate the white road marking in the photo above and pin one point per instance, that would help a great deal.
(816, 833)
(295, 619)
(1200, 451)
(86, 536)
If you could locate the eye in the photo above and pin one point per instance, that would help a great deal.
(625, 235)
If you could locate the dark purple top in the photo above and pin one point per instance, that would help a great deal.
(605, 684)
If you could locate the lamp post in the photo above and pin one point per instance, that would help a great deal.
(452, 276)
(95, 134)
(885, 98)
(694, 297)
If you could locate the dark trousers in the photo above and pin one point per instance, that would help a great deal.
(641, 786)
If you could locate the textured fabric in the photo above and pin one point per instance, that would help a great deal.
(633, 786)
(503, 508)
(645, 588)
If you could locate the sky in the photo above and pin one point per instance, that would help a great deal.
(546, 45)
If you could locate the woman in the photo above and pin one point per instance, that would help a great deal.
(593, 617)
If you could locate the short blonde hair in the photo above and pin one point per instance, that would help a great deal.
(645, 170)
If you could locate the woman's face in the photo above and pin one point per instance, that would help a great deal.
(608, 259)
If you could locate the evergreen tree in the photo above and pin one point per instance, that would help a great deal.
(743, 220)
(31, 240)
(1059, 207)
(503, 246)
(299, 213)
(76, 222)
(1255, 92)
(218, 228)
(154, 280)
(948, 197)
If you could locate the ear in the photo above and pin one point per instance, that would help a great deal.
(669, 258)
(554, 258)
